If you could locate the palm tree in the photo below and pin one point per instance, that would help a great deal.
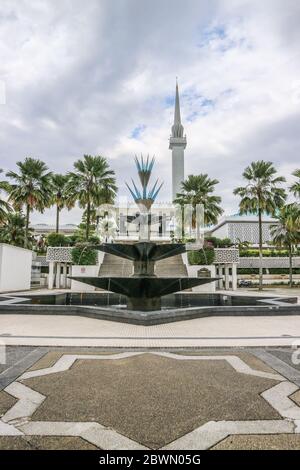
(4, 206)
(91, 184)
(295, 188)
(31, 188)
(198, 189)
(287, 232)
(262, 194)
(60, 197)
(13, 230)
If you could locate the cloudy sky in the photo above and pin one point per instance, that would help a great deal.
(98, 77)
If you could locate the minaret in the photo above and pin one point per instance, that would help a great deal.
(177, 145)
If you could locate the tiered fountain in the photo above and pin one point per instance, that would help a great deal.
(143, 288)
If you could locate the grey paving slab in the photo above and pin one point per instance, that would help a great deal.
(282, 364)
(286, 355)
(13, 354)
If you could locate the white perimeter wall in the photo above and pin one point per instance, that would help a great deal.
(15, 268)
(205, 288)
(192, 271)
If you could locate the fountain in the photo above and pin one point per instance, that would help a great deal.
(143, 288)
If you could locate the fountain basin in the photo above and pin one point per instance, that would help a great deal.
(143, 288)
(144, 293)
(175, 307)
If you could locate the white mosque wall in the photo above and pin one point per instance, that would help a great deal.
(221, 232)
(15, 268)
(192, 271)
(84, 271)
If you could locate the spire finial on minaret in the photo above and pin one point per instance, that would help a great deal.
(177, 128)
(177, 145)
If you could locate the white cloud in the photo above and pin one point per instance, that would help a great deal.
(80, 78)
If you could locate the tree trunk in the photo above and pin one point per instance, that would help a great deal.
(260, 250)
(88, 214)
(291, 266)
(57, 219)
(27, 225)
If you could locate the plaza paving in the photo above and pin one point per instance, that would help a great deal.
(208, 383)
(91, 398)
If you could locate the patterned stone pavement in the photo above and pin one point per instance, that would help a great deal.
(65, 331)
(76, 398)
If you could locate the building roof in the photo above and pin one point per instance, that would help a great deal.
(51, 228)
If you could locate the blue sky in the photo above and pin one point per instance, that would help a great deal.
(99, 77)
(137, 131)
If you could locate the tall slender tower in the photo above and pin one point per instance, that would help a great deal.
(177, 145)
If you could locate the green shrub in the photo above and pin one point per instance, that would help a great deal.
(267, 271)
(204, 257)
(57, 239)
(247, 271)
(79, 237)
(94, 240)
(84, 255)
(267, 253)
(283, 270)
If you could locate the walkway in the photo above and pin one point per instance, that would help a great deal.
(45, 330)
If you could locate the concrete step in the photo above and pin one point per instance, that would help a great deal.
(169, 267)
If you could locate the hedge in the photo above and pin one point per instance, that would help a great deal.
(270, 270)
(57, 239)
(218, 242)
(202, 257)
(266, 253)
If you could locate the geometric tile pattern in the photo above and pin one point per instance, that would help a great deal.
(226, 255)
(59, 254)
(248, 231)
(17, 419)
